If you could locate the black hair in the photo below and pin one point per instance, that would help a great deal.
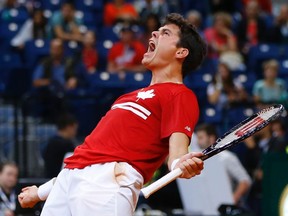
(190, 39)
(207, 128)
(65, 120)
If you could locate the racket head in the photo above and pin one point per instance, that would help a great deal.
(244, 129)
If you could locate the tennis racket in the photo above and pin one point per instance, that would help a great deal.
(238, 133)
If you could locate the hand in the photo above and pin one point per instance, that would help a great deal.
(28, 198)
(8, 213)
(71, 83)
(190, 164)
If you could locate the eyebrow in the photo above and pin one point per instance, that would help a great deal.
(162, 29)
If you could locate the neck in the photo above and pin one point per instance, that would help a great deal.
(167, 74)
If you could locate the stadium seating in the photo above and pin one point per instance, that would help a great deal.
(40, 48)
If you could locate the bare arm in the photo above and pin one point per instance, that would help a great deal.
(241, 189)
(74, 35)
(189, 163)
(41, 82)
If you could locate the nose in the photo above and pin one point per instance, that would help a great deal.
(155, 34)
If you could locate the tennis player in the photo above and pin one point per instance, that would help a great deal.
(105, 174)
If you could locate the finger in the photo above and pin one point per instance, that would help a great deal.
(199, 162)
(193, 168)
(188, 170)
(195, 154)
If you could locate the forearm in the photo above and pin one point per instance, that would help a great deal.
(41, 82)
(178, 147)
(240, 191)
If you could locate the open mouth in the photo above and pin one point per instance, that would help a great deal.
(151, 47)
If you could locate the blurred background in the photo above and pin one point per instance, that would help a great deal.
(63, 63)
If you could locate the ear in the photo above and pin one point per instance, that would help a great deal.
(182, 53)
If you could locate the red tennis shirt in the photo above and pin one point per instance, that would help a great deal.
(137, 127)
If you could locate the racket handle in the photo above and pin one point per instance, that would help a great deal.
(166, 179)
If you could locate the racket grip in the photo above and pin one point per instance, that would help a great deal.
(166, 179)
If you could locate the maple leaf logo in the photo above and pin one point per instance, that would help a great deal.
(145, 94)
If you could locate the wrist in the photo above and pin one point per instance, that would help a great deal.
(173, 164)
(45, 189)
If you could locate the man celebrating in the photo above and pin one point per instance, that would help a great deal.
(105, 174)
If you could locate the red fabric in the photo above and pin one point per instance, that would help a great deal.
(111, 12)
(90, 58)
(265, 5)
(212, 37)
(118, 50)
(252, 32)
(123, 135)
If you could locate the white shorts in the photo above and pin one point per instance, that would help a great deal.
(109, 189)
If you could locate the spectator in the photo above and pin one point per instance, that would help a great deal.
(147, 7)
(279, 134)
(89, 53)
(65, 25)
(34, 28)
(224, 91)
(240, 181)
(119, 10)
(270, 89)
(8, 180)
(151, 23)
(126, 55)
(60, 144)
(257, 146)
(52, 78)
(265, 5)
(227, 6)
(55, 69)
(279, 32)
(222, 42)
(195, 18)
(252, 29)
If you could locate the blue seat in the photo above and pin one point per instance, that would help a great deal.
(88, 5)
(237, 114)
(103, 47)
(258, 54)
(52, 5)
(107, 81)
(283, 69)
(199, 80)
(248, 80)
(35, 50)
(108, 33)
(15, 15)
(8, 30)
(135, 81)
(211, 115)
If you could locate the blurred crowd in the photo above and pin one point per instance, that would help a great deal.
(51, 49)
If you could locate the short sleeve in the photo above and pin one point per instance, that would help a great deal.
(38, 73)
(180, 114)
(256, 89)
